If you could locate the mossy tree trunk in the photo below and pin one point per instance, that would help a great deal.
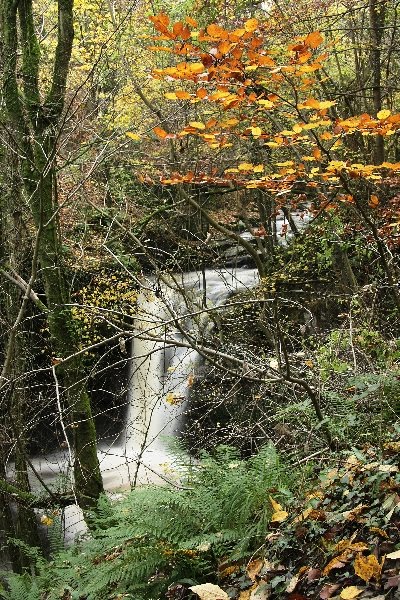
(35, 119)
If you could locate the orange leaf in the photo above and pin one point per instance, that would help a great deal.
(251, 25)
(373, 201)
(216, 31)
(335, 563)
(314, 39)
(182, 95)
(160, 132)
(201, 93)
(191, 21)
(224, 47)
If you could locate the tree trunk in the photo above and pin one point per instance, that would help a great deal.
(377, 10)
(34, 125)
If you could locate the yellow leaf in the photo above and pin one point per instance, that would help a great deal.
(297, 128)
(348, 593)
(393, 555)
(367, 567)
(326, 104)
(245, 167)
(275, 505)
(197, 125)
(265, 103)
(256, 131)
(171, 96)
(258, 169)
(279, 516)
(209, 591)
(133, 136)
(251, 25)
(383, 114)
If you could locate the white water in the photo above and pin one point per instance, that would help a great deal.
(161, 373)
(160, 376)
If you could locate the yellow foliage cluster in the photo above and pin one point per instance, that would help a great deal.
(107, 300)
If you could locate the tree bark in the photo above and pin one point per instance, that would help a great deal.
(35, 126)
(377, 11)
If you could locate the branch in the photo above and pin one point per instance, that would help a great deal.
(24, 286)
(31, 500)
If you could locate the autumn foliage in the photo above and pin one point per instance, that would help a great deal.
(260, 108)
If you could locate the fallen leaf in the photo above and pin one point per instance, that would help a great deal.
(349, 545)
(388, 468)
(328, 590)
(350, 515)
(133, 136)
(348, 593)
(394, 555)
(292, 584)
(279, 514)
(379, 531)
(367, 567)
(209, 591)
(262, 592)
(335, 563)
(253, 568)
(393, 581)
(313, 574)
(197, 125)
(383, 114)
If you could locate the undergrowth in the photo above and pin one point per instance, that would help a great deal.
(157, 536)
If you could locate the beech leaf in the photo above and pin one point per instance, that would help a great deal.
(209, 591)
(348, 593)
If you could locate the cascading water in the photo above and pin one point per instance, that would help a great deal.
(162, 367)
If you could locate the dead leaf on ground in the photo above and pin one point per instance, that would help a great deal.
(393, 555)
(348, 593)
(351, 515)
(291, 586)
(313, 574)
(328, 590)
(379, 531)
(253, 568)
(335, 563)
(279, 514)
(209, 591)
(367, 567)
(351, 546)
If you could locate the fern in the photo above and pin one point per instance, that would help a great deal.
(157, 535)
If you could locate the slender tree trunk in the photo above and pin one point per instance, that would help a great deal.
(377, 10)
(35, 126)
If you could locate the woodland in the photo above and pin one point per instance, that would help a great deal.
(200, 279)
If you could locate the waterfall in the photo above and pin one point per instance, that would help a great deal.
(161, 370)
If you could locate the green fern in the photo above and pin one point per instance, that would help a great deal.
(157, 535)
